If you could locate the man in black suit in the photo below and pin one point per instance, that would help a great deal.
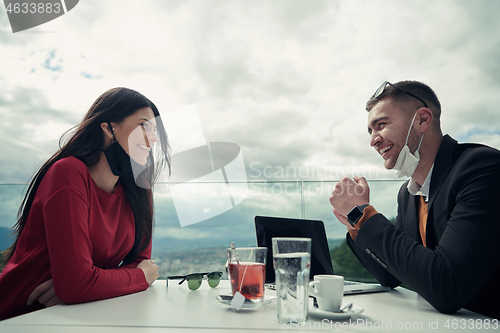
(445, 242)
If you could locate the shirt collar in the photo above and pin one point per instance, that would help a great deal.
(415, 189)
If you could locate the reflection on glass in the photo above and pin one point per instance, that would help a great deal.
(177, 248)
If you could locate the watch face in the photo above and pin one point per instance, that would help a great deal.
(354, 215)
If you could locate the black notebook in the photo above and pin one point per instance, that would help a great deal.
(268, 227)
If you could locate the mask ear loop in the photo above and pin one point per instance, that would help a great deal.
(112, 133)
(111, 129)
(409, 130)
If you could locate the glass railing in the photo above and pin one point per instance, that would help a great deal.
(181, 247)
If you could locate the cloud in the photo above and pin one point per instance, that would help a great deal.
(30, 132)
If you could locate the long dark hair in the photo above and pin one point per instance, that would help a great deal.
(85, 142)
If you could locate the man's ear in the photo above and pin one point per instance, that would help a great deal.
(424, 119)
(107, 130)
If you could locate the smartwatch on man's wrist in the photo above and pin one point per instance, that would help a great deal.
(355, 214)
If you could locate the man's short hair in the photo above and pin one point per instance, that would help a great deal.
(416, 88)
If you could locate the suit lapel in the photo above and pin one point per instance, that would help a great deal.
(442, 167)
(411, 228)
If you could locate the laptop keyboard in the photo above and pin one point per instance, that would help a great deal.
(350, 283)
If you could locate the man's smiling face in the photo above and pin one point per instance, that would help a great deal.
(388, 127)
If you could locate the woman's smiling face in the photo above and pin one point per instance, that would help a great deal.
(137, 134)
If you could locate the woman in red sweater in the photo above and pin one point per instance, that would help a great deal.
(85, 225)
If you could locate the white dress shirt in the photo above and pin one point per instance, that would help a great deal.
(415, 189)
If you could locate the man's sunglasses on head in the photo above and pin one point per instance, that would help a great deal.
(381, 89)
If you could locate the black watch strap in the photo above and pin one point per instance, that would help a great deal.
(355, 214)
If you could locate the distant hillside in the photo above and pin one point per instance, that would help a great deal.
(174, 244)
(4, 241)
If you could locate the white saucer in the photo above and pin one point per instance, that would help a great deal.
(249, 305)
(322, 314)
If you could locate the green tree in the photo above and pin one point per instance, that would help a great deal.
(346, 264)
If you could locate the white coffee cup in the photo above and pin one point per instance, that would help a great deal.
(328, 290)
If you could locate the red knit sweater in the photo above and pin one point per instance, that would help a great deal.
(77, 234)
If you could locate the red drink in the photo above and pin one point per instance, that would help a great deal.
(253, 279)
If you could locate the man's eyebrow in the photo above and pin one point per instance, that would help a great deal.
(375, 121)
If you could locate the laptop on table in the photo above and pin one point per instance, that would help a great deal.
(268, 227)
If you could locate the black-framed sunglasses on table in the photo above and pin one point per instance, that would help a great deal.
(382, 87)
(194, 280)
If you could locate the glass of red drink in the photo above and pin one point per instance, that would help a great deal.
(247, 271)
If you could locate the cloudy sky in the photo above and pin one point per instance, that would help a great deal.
(286, 80)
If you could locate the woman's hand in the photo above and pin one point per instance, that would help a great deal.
(150, 270)
(45, 294)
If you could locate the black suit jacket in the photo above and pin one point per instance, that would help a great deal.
(460, 267)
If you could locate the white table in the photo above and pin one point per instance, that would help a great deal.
(179, 309)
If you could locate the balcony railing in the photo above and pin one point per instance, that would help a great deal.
(180, 247)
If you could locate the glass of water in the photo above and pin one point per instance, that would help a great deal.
(292, 261)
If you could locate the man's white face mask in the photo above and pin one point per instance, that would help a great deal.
(406, 164)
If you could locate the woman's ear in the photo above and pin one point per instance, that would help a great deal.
(424, 119)
(107, 130)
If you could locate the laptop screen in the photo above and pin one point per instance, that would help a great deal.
(268, 227)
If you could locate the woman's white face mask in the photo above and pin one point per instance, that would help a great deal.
(407, 163)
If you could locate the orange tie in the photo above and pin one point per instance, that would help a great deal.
(422, 219)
